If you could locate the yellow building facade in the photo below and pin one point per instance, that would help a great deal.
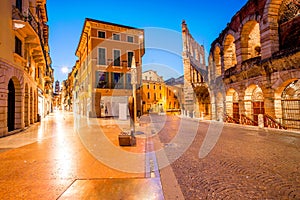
(25, 65)
(157, 97)
(102, 74)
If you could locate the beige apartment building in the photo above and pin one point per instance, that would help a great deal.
(102, 74)
(26, 76)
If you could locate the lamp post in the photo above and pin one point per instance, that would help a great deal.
(133, 82)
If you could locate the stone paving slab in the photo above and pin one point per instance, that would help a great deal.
(44, 160)
(115, 189)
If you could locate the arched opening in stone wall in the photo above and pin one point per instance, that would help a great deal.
(250, 40)
(232, 104)
(229, 52)
(254, 102)
(14, 104)
(11, 106)
(203, 98)
(26, 106)
(291, 105)
(217, 60)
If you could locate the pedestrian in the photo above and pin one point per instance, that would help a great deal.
(106, 112)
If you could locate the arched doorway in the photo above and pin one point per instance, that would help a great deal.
(232, 105)
(254, 102)
(203, 99)
(217, 59)
(11, 106)
(257, 103)
(291, 105)
(250, 40)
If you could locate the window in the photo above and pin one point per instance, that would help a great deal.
(117, 54)
(145, 77)
(148, 86)
(101, 34)
(116, 36)
(154, 96)
(154, 87)
(148, 95)
(129, 58)
(130, 39)
(128, 81)
(160, 95)
(159, 87)
(19, 5)
(102, 78)
(117, 80)
(18, 46)
(101, 56)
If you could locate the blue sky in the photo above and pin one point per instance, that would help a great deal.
(160, 19)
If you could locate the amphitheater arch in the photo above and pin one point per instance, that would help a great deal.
(250, 40)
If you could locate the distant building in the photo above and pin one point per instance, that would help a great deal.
(157, 97)
(26, 86)
(102, 74)
(175, 81)
(57, 87)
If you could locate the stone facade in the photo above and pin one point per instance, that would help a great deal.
(257, 64)
(252, 65)
(196, 101)
(26, 75)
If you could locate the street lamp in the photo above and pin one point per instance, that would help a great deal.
(133, 82)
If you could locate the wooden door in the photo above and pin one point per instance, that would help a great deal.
(258, 108)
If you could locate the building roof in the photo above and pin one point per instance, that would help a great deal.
(102, 22)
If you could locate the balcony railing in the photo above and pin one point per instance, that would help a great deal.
(111, 62)
(230, 119)
(247, 121)
(272, 123)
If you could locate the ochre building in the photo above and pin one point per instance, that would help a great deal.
(102, 74)
(157, 96)
(26, 76)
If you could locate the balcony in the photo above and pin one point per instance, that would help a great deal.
(114, 64)
(27, 24)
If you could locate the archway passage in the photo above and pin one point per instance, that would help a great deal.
(257, 104)
(291, 105)
(11, 106)
(203, 99)
(232, 105)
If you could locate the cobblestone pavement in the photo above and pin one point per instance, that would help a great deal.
(245, 163)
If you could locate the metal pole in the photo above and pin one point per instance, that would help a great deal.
(134, 105)
(133, 82)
